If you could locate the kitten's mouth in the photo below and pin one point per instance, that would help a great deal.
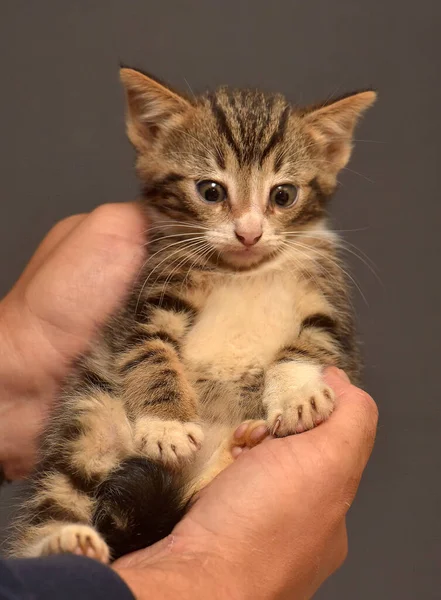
(246, 257)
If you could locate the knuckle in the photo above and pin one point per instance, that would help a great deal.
(331, 466)
(340, 545)
(104, 214)
(67, 222)
(342, 552)
(367, 406)
(370, 408)
(117, 222)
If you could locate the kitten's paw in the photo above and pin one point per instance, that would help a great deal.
(76, 539)
(248, 435)
(170, 442)
(297, 401)
(302, 409)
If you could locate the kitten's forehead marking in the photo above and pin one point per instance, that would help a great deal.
(251, 122)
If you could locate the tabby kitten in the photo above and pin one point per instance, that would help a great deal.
(241, 303)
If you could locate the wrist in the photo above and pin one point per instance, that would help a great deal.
(178, 571)
(26, 354)
(25, 391)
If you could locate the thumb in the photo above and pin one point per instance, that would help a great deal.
(350, 430)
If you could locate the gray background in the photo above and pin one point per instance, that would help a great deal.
(63, 150)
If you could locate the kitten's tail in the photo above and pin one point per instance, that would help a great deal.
(138, 504)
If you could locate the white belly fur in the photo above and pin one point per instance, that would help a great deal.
(244, 322)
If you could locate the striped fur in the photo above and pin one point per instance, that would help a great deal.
(214, 333)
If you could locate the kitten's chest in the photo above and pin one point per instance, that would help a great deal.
(243, 323)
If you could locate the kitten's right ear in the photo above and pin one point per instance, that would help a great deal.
(151, 106)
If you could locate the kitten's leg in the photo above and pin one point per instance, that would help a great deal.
(62, 538)
(248, 435)
(158, 395)
(296, 397)
(168, 441)
(87, 439)
(57, 520)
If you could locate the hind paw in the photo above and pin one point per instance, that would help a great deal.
(76, 539)
(248, 435)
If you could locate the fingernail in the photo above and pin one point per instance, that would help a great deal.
(338, 373)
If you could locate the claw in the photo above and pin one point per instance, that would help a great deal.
(276, 425)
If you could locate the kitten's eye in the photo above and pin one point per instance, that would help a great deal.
(210, 191)
(284, 195)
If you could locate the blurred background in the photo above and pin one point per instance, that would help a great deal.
(63, 150)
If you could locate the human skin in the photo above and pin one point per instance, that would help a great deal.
(77, 277)
(272, 525)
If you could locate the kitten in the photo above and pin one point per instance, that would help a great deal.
(241, 303)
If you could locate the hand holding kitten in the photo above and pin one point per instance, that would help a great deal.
(76, 278)
(273, 524)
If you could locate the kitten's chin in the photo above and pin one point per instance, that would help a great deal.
(247, 258)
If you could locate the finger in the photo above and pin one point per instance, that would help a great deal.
(55, 236)
(350, 430)
(332, 557)
(86, 277)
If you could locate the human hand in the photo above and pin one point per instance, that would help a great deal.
(74, 281)
(272, 525)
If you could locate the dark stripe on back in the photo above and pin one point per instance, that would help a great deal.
(277, 135)
(223, 126)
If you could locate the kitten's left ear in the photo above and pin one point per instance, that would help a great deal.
(332, 126)
(151, 106)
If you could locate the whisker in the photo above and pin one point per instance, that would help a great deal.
(175, 235)
(194, 248)
(188, 242)
(177, 224)
(336, 263)
(207, 253)
(341, 244)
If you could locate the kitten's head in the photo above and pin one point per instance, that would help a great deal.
(240, 170)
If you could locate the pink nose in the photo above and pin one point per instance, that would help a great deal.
(248, 238)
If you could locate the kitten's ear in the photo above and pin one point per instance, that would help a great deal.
(151, 106)
(332, 126)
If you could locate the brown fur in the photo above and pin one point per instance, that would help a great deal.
(214, 334)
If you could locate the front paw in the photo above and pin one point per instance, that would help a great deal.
(297, 399)
(169, 442)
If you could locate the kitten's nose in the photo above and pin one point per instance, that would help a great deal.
(249, 237)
